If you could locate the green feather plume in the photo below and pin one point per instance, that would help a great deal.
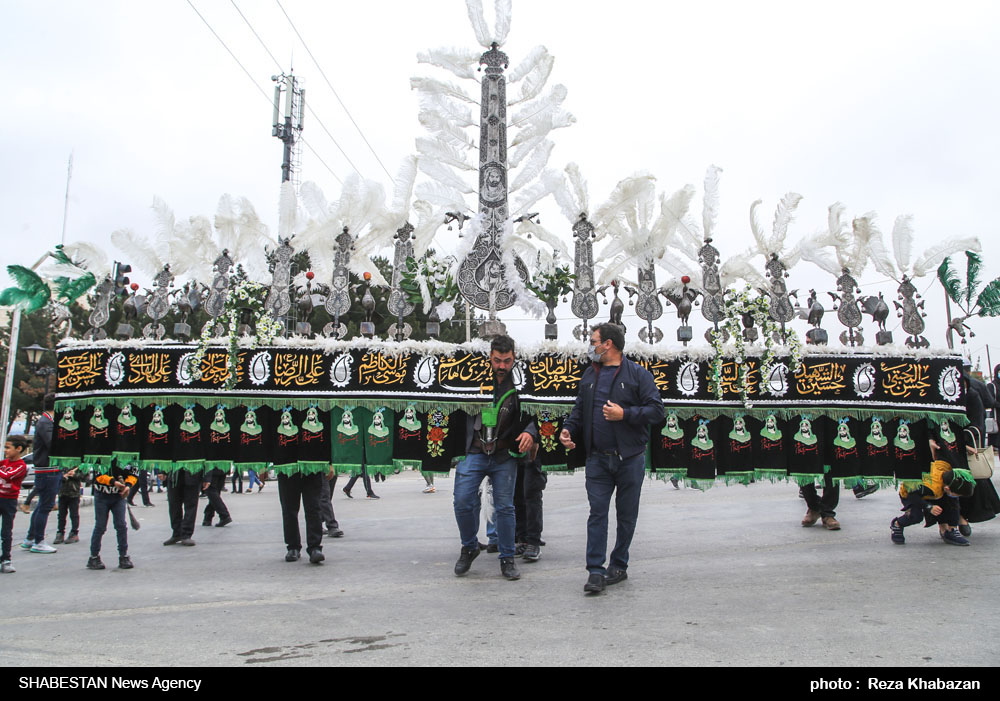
(69, 290)
(949, 280)
(972, 275)
(989, 299)
(31, 292)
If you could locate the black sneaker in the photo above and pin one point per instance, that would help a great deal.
(95, 563)
(519, 549)
(224, 522)
(953, 537)
(492, 548)
(963, 528)
(614, 576)
(531, 553)
(508, 568)
(207, 522)
(124, 563)
(292, 555)
(316, 556)
(595, 584)
(896, 532)
(863, 490)
(465, 559)
(58, 539)
(172, 540)
(335, 533)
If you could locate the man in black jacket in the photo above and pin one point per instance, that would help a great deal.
(490, 443)
(618, 401)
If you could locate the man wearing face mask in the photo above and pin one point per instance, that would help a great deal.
(491, 440)
(618, 402)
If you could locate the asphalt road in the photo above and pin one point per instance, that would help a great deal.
(722, 577)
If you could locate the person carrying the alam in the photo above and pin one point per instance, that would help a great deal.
(491, 439)
(618, 401)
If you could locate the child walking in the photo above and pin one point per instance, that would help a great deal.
(12, 472)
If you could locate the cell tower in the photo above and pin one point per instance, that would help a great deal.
(287, 123)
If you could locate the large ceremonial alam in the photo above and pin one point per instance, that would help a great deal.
(258, 390)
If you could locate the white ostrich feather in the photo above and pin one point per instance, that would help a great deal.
(626, 193)
(443, 152)
(527, 64)
(461, 62)
(314, 200)
(738, 267)
(89, 256)
(544, 105)
(756, 229)
(457, 114)
(478, 21)
(818, 249)
(502, 26)
(443, 174)
(441, 195)
(672, 211)
(533, 166)
(402, 191)
(428, 222)
(558, 184)
(879, 254)
(902, 240)
(527, 197)
(518, 153)
(288, 210)
(433, 86)
(445, 129)
(541, 124)
(557, 244)
(855, 256)
(533, 83)
(137, 251)
(710, 201)
(930, 259)
(783, 215)
(577, 188)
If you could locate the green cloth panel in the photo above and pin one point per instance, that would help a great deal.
(347, 438)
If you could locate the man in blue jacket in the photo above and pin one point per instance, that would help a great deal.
(618, 401)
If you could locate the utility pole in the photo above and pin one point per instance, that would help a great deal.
(287, 122)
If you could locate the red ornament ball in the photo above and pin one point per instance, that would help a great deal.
(310, 275)
(368, 276)
(134, 286)
(685, 279)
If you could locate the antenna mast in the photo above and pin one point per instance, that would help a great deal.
(287, 123)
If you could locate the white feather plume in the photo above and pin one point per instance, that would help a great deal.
(783, 215)
(878, 253)
(441, 195)
(533, 166)
(446, 130)
(457, 114)
(88, 256)
(902, 240)
(433, 86)
(478, 21)
(756, 229)
(546, 104)
(443, 152)
(930, 259)
(710, 201)
(527, 197)
(137, 251)
(534, 82)
(443, 174)
(527, 64)
(502, 26)
(461, 62)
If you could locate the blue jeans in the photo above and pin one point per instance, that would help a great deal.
(47, 488)
(605, 474)
(468, 476)
(103, 504)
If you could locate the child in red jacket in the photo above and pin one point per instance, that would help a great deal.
(12, 472)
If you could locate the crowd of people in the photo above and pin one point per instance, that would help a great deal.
(500, 474)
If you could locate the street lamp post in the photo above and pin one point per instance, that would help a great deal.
(35, 353)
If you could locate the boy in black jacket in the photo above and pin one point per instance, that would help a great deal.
(110, 493)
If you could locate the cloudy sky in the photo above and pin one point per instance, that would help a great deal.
(885, 106)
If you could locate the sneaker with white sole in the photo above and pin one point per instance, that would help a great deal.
(27, 544)
(6, 567)
(42, 547)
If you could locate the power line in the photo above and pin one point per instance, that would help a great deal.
(334, 91)
(308, 107)
(254, 81)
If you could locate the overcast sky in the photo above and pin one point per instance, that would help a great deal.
(884, 106)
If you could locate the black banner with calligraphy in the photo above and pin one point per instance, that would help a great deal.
(836, 412)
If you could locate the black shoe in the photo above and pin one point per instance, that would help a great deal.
(188, 542)
(206, 522)
(863, 490)
(483, 546)
(95, 563)
(373, 495)
(531, 553)
(291, 555)
(509, 569)
(963, 528)
(519, 549)
(335, 533)
(316, 556)
(595, 584)
(542, 543)
(465, 559)
(224, 522)
(615, 576)
(124, 563)
(172, 540)
(492, 548)
(346, 491)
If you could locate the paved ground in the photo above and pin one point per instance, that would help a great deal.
(724, 577)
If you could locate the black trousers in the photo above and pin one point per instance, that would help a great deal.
(827, 506)
(216, 481)
(528, 489)
(69, 506)
(183, 489)
(327, 488)
(237, 475)
(306, 489)
(141, 486)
